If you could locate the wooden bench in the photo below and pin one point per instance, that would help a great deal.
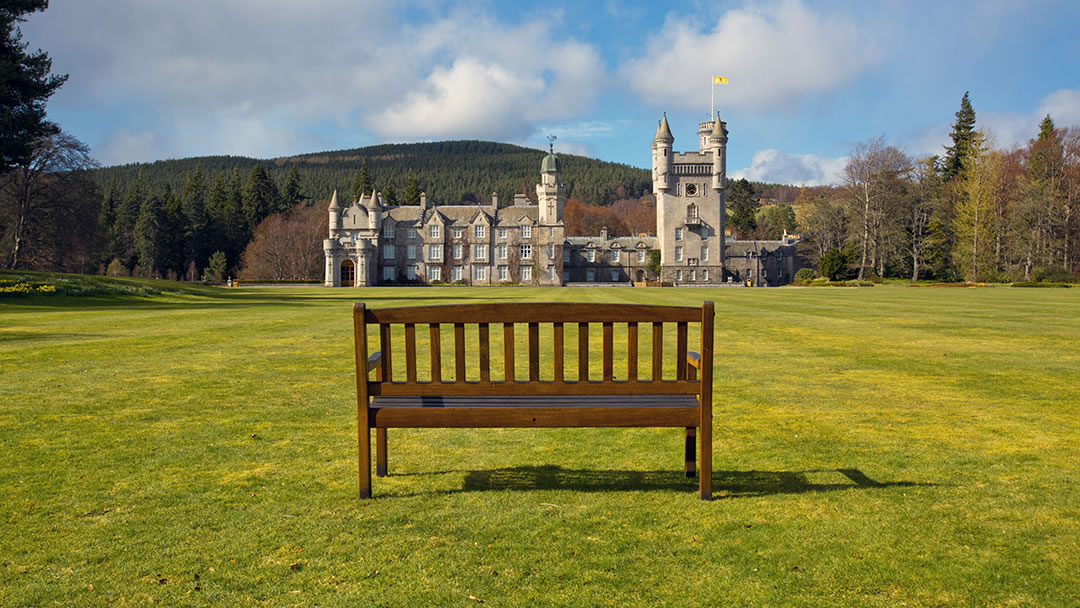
(676, 392)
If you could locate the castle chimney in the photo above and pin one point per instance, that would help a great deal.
(495, 201)
(603, 233)
(423, 200)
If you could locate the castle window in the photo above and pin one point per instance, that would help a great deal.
(410, 252)
(705, 253)
(678, 275)
(500, 251)
(678, 234)
(480, 252)
(502, 233)
(614, 256)
(678, 254)
(526, 232)
(457, 233)
(503, 274)
(480, 231)
(434, 273)
(691, 212)
(551, 273)
(388, 273)
(457, 252)
(614, 275)
(433, 231)
(388, 231)
(551, 252)
(526, 252)
(704, 274)
(412, 233)
(590, 275)
(479, 273)
(411, 273)
(388, 252)
(456, 273)
(566, 255)
(526, 273)
(435, 252)
(693, 276)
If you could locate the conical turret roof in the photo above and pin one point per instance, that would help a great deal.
(334, 204)
(663, 132)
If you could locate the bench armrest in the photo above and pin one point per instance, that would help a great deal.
(373, 361)
(694, 360)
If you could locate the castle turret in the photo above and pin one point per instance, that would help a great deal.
(661, 156)
(550, 193)
(335, 214)
(718, 145)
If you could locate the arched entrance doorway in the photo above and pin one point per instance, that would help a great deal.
(640, 276)
(348, 273)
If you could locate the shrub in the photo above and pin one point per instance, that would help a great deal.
(116, 269)
(1051, 274)
(805, 275)
(215, 269)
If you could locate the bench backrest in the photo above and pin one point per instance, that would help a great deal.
(471, 371)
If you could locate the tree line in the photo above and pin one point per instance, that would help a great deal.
(979, 213)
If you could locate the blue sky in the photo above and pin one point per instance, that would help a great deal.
(155, 79)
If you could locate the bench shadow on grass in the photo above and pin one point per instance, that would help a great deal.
(726, 484)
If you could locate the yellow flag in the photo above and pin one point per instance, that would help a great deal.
(719, 79)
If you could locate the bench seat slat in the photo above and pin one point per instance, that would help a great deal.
(472, 412)
(409, 389)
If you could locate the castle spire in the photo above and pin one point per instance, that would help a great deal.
(663, 132)
(334, 204)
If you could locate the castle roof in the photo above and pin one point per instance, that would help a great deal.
(334, 204)
(663, 132)
(550, 164)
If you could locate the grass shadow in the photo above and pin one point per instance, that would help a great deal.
(725, 483)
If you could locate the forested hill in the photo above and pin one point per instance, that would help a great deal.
(449, 171)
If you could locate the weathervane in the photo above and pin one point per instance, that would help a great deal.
(551, 143)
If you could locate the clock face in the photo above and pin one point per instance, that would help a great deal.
(691, 189)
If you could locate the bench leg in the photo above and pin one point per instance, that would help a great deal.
(380, 452)
(691, 450)
(365, 460)
(705, 478)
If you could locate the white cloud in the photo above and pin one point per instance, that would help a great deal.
(774, 56)
(774, 166)
(243, 74)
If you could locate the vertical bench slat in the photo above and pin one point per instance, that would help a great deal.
(363, 430)
(657, 352)
(534, 352)
(609, 347)
(508, 351)
(436, 353)
(485, 353)
(680, 352)
(705, 409)
(631, 351)
(384, 346)
(558, 354)
(583, 352)
(459, 352)
(410, 352)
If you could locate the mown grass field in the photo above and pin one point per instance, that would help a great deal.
(882, 446)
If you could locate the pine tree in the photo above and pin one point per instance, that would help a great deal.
(260, 197)
(412, 190)
(963, 136)
(148, 236)
(195, 223)
(362, 185)
(743, 207)
(291, 191)
(389, 194)
(26, 86)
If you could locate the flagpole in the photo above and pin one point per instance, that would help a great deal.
(712, 100)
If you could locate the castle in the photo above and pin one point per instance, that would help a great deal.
(525, 243)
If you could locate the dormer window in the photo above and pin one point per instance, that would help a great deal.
(480, 231)
(526, 232)
(433, 231)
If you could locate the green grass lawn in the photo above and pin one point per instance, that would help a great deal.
(882, 446)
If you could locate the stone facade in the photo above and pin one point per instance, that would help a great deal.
(524, 243)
